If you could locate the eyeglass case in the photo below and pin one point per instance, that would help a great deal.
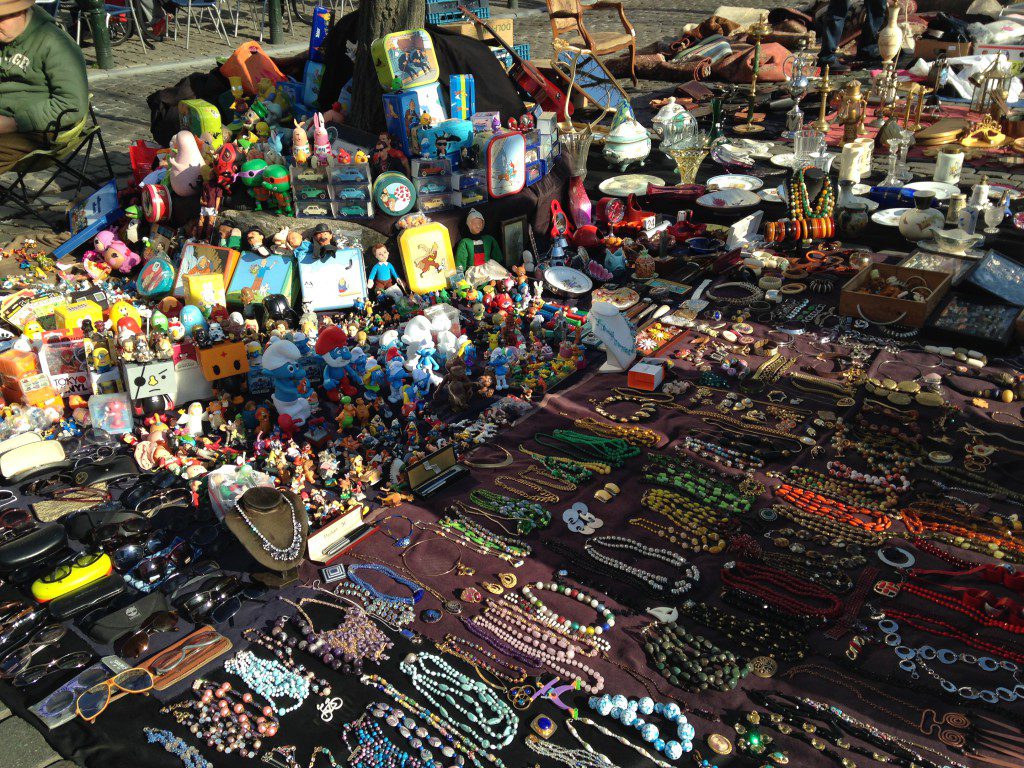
(33, 546)
(197, 659)
(87, 598)
(19, 463)
(127, 618)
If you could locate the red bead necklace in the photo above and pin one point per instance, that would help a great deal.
(818, 504)
(778, 588)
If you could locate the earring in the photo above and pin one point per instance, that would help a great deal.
(508, 580)
(494, 589)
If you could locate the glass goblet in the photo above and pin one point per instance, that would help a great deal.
(994, 214)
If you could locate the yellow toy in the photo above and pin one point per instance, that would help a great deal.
(70, 316)
(123, 309)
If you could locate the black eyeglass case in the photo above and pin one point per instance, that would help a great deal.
(87, 598)
(33, 546)
(127, 618)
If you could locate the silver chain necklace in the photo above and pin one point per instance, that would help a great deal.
(283, 554)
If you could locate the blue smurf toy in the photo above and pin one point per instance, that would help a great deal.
(291, 387)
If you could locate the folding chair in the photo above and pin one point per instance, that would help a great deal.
(212, 7)
(68, 155)
(262, 15)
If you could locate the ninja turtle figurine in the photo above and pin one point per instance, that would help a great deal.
(251, 175)
(278, 186)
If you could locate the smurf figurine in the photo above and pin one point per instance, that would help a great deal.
(396, 374)
(499, 360)
(373, 380)
(331, 346)
(383, 275)
(291, 387)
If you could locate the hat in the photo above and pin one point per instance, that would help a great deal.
(473, 212)
(8, 7)
(278, 352)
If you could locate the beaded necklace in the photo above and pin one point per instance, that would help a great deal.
(188, 754)
(611, 451)
(568, 625)
(471, 653)
(416, 589)
(394, 615)
(570, 726)
(269, 678)
(567, 469)
(688, 573)
(228, 721)
(685, 659)
(283, 554)
(756, 637)
(781, 590)
(531, 516)
(345, 647)
(574, 758)
(479, 712)
(278, 645)
(815, 503)
(636, 713)
(373, 749)
(696, 481)
(645, 438)
(448, 733)
(417, 736)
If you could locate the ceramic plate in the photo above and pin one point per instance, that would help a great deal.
(748, 147)
(628, 184)
(736, 181)
(771, 195)
(620, 298)
(888, 217)
(996, 189)
(784, 160)
(942, 191)
(728, 199)
(568, 280)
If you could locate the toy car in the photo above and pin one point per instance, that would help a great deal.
(312, 174)
(352, 194)
(315, 210)
(431, 170)
(432, 188)
(347, 175)
(434, 204)
(312, 193)
(352, 210)
(472, 197)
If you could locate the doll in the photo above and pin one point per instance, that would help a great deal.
(321, 141)
(383, 275)
(478, 255)
(117, 255)
(300, 144)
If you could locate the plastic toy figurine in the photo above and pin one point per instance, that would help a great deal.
(254, 114)
(239, 106)
(192, 419)
(324, 245)
(331, 346)
(373, 381)
(251, 176)
(184, 163)
(396, 374)
(300, 144)
(291, 387)
(386, 157)
(221, 178)
(499, 360)
(427, 361)
(321, 141)
(383, 275)
(278, 186)
(116, 254)
(477, 254)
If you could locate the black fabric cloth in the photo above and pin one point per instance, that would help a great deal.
(456, 55)
(163, 104)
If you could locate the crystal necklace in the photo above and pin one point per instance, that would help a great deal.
(287, 553)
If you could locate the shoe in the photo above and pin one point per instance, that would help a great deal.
(835, 65)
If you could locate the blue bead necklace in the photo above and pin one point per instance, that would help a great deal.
(188, 755)
(416, 589)
(634, 713)
(269, 678)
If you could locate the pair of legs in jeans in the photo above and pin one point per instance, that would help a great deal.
(835, 19)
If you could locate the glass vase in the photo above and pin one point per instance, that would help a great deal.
(688, 160)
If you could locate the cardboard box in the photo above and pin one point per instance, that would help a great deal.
(882, 309)
(648, 374)
(1013, 53)
(929, 50)
(503, 28)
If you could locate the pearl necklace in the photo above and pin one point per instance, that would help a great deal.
(445, 687)
(269, 678)
(277, 553)
(534, 644)
(690, 574)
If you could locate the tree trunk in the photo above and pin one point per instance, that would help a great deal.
(376, 19)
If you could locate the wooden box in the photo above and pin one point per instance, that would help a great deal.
(503, 28)
(883, 309)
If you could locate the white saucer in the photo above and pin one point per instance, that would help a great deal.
(933, 247)
(628, 184)
(889, 217)
(736, 181)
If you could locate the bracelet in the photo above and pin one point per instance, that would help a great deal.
(793, 288)
(770, 283)
(756, 293)
(416, 589)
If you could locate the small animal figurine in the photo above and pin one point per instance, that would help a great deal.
(321, 141)
(300, 144)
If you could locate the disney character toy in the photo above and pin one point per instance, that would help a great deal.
(291, 387)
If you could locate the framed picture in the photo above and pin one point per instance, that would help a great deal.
(513, 240)
(506, 164)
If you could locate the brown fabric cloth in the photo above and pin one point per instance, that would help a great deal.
(738, 66)
(14, 146)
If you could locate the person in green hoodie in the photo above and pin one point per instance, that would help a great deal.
(42, 80)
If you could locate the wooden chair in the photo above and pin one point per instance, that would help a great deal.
(566, 18)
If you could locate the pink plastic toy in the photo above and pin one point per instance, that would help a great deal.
(184, 163)
(321, 140)
(116, 254)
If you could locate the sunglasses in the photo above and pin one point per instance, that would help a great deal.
(134, 644)
(64, 570)
(65, 663)
(17, 661)
(152, 503)
(61, 701)
(173, 659)
(157, 568)
(129, 554)
(91, 703)
(15, 521)
(103, 535)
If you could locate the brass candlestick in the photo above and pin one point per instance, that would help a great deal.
(824, 88)
(758, 31)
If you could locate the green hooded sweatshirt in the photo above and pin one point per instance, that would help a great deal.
(42, 73)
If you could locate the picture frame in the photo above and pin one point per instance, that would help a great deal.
(513, 240)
